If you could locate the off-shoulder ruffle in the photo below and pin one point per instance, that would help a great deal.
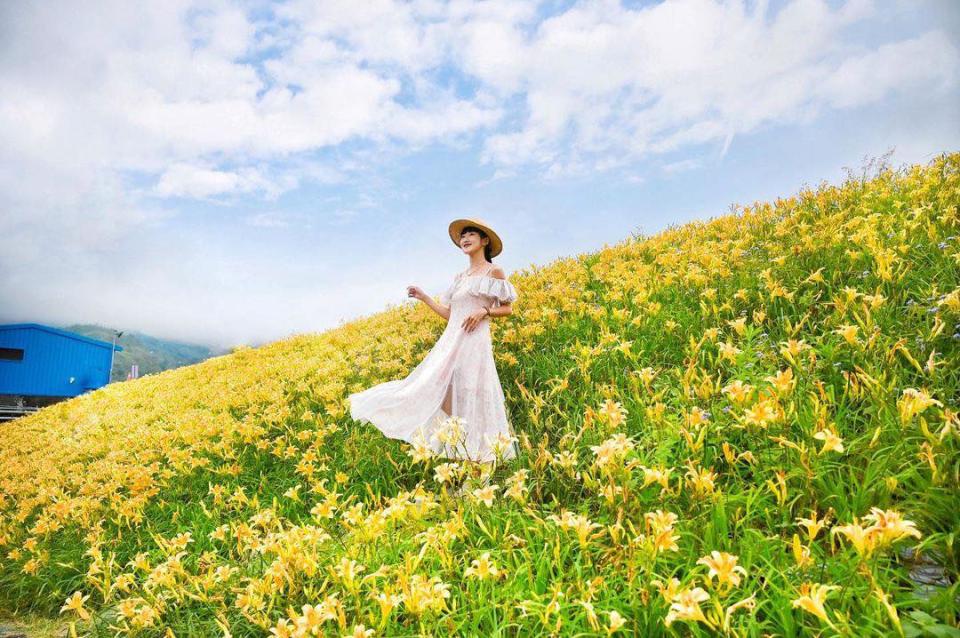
(500, 289)
(445, 296)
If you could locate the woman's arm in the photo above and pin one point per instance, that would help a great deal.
(487, 312)
(498, 309)
(501, 309)
(439, 308)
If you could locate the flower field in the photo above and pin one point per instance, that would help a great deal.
(742, 426)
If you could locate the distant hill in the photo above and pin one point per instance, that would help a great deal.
(149, 353)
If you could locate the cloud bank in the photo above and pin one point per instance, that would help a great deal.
(117, 117)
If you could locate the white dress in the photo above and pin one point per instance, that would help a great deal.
(410, 409)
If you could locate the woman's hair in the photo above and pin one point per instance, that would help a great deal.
(487, 248)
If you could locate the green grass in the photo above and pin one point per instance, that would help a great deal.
(258, 423)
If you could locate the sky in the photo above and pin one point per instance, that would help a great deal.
(232, 173)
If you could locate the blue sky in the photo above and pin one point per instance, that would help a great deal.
(236, 172)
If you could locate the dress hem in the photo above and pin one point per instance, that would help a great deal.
(399, 437)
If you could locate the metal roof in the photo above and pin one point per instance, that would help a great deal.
(62, 333)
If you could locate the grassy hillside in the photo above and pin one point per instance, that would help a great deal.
(743, 426)
(149, 353)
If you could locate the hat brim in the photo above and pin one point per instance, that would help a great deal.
(457, 225)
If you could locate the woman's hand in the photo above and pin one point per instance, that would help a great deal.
(473, 319)
(416, 292)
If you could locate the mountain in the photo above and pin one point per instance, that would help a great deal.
(746, 425)
(151, 354)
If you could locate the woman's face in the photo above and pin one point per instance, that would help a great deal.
(470, 241)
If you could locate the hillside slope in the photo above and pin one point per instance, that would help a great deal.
(735, 426)
(151, 354)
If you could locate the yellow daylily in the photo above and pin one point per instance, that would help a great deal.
(686, 606)
(482, 568)
(75, 604)
(813, 524)
(723, 567)
(913, 402)
(812, 599)
(831, 441)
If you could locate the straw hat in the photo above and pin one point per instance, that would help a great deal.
(496, 246)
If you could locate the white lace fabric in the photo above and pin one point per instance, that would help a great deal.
(460, 361)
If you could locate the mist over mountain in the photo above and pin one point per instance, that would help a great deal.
(151, 354)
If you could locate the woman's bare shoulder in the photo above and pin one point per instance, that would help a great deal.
(497, 272)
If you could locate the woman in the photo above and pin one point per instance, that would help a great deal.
(452, 401)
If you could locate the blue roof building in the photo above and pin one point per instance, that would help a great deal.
(42, 361)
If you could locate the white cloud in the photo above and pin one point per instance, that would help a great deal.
(160, 86)
(604, 85)
(682, 165)
(276, 219)
(929, 62)
(112, 113)
(182, 180)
